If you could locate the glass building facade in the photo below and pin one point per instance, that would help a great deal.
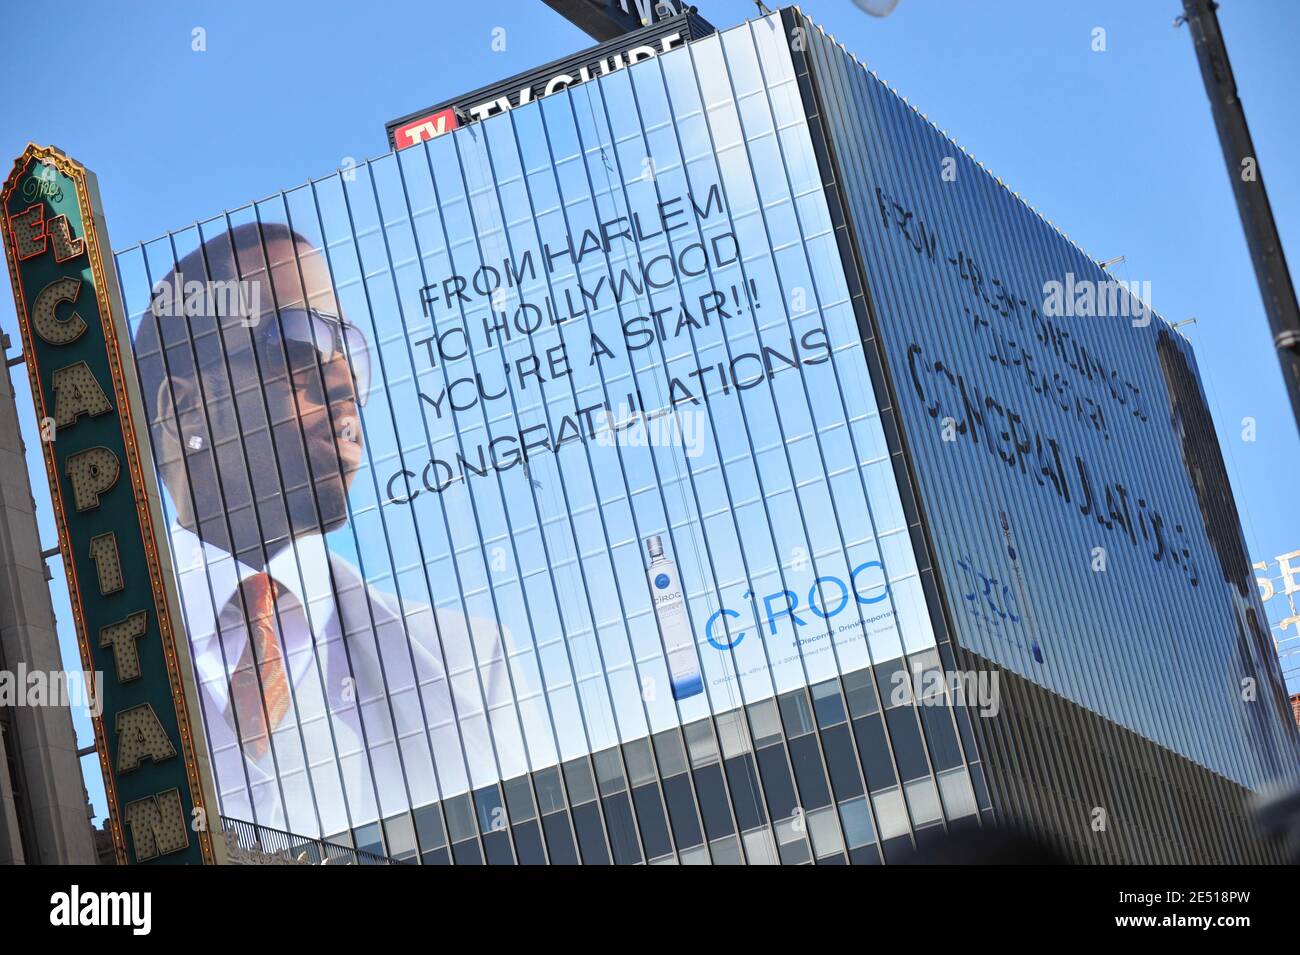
(1072, 493)
(1103, 522)
(552, 490)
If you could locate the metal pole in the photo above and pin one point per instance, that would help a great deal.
(1248, 186)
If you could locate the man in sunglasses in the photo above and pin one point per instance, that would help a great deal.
(327, 703)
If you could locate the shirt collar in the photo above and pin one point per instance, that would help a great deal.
(209, 576)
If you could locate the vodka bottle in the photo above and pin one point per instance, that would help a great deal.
(674, 627)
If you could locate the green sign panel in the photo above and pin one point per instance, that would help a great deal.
(105, 499)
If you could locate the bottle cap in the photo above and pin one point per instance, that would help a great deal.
(654, 546)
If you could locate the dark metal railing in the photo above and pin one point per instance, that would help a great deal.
(252, 844)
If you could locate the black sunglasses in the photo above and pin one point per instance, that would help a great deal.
(331, 336)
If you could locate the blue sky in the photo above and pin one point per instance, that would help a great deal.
(1117, 148)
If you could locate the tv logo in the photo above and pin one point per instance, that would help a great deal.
(73, 908)
(426, 127)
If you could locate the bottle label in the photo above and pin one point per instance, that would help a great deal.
(674, 629)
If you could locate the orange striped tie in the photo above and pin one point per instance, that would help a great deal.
(260, 706)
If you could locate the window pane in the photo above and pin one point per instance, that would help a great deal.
(760, 848)
(858, 828)
(891, 814)
(650, 817)
(793, 845)
(622, 831)
(491, 811)
(765, 722)
(699, 855)
(559, 839)
(672, 757)
(894, 682)
(399, 836)
(460, 818)
(827, 703)
(923, 800)
(813, 789)
(906, 737)
(942, 737)
(428, 826)
(824, 828)
(609, 772)
(795, 714)
(726, 851)
(550, 794)
(861, 693)
(591, 835)
(958, 795)
(519, 799)
(640, 761)
(577, 777)
(369, 839)
(734, 734)
(699, 740)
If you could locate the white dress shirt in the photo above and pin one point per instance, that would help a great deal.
(389, 711)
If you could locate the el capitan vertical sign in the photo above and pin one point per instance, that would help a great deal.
(157, 779)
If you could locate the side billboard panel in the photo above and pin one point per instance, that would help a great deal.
(1067, 462)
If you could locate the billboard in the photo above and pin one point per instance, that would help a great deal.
(106, 507)
(533, 438)
(1067, 463)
